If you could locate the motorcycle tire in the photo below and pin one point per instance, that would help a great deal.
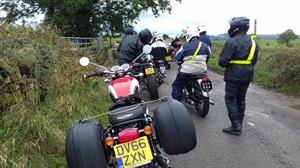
(174, 127)
(84, 148)
(168, 66)
(151, 84)
(202, 107)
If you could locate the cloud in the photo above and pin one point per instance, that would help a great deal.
(272, 16)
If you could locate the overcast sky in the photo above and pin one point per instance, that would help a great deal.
(273, 16)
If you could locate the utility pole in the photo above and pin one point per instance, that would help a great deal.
(255, 24)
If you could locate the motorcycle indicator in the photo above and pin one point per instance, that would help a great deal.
(133, 153)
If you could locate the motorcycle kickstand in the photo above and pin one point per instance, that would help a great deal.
(163, 161)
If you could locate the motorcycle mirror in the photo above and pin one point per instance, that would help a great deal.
(84, 61)
(125, 66)
(147, 49)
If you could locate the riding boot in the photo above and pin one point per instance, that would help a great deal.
(236, 127)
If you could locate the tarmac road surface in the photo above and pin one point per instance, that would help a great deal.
(271, 131)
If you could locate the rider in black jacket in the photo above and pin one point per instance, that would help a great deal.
(238, 56)
(132, 46)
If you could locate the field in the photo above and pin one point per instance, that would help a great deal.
(278, 66)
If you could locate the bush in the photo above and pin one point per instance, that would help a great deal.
(279, 68)
(44, 94)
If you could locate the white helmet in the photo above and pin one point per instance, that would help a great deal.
(190, 34)
(202, 28)
(159, 37)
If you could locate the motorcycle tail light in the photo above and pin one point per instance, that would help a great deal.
(205, 79)
(128, 135)
(109, 141)
(148, 130)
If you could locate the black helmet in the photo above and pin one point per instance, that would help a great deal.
(237, 25)
(145, 36)
(129, 31)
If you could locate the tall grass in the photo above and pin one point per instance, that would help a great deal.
(277, 68)
(33, 134)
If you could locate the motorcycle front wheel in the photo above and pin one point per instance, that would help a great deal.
(202, 107)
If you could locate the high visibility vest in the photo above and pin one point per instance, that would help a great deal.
(197, 50)
(250, 57)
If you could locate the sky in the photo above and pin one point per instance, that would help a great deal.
(273, 16)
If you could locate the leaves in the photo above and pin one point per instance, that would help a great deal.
(84, 17)
(286, 37)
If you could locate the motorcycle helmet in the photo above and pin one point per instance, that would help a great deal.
(237, 25)
(159, 38)
(202, 29)
(129, 31)
(145, 36)
(191, 34)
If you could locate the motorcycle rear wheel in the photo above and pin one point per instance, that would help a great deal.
(152, 87)
(202, 107)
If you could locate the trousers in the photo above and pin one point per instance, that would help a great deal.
(235, 93)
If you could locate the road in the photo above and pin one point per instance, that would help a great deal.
(271, 132)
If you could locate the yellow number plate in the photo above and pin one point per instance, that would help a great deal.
(133, 153)
(149, 71)
(168, 58)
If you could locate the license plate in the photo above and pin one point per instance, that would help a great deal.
(206, 86)
(149, 71)
(133, 153)
(168, 58)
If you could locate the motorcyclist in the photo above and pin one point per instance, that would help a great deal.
(238, 56)
(176, 43)
(194, 55)
(128, 31)
(159, 49)
(132, 46)
(203, 36)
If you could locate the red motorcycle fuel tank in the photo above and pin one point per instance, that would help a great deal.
(123, 87)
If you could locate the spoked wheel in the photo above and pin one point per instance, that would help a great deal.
(202, 107)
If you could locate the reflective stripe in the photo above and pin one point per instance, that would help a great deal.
(197, 50)
(250, 57)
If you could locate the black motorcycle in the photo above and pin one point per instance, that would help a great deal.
(132, 138)
(196, 92)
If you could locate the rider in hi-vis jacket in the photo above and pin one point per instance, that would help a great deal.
(194, 55)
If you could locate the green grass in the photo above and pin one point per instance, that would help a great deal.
(277, 68)
(114, 40)
(33, 134)
(213, 64)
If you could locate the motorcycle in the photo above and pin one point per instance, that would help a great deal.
(133, 137)
(152, 77)
(196, 92)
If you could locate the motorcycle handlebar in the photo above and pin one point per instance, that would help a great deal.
(92, 74)
(136, 65)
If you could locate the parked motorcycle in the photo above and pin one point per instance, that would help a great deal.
(120, 79)
(196, 92)
(152, 77)
(133, 138)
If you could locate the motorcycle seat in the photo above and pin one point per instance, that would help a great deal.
(126, 113)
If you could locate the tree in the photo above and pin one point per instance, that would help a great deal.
(84, 17)
(286, 37)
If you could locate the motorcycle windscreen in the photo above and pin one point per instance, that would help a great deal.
(123, 87)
